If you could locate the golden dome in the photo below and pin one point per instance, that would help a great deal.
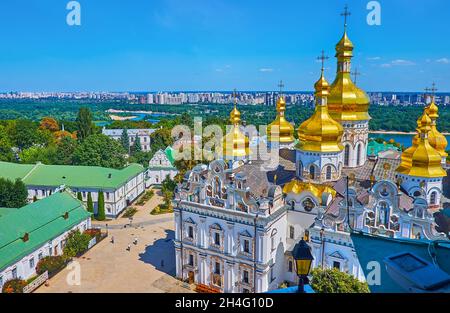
(406, 157)
(346, 101)
(235, 143)
(425, 160)
(436, 139)
(285, 129)
(297, 187)
(321, 133)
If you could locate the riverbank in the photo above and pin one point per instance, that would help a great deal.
(391, 132)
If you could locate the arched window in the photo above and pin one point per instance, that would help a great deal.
(328, 176)
(358, 155)
(433, 198)
(312, 172)
(347, 155)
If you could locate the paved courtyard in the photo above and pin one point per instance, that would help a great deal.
(149, 266)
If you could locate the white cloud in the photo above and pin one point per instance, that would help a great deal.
(374, 58)
(443, 60)
(398, 62)
(266, 70)
(401, 62)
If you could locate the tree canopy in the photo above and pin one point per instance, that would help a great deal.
(335, 281)
(100, 150)
(12, 194)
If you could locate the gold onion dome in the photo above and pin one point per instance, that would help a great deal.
(297, 187)
(425, 160)
(436, 139)
(235, 143)
(347, 102)
(285, 129)
(406, 158)
(321, 133)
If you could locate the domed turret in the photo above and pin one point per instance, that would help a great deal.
(321, 133)
(285, 129)
(436, 139)
(346, 101)
(425, 160)
(235, 144)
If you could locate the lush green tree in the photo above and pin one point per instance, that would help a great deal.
(32, 155)
(65, 150)
(161, 138)
(12, 194)
(137, 145)
(142, 158)
(101, 206)
(125, 140)
(76, 243)
(90, 203)
(35, 198)
(100, 150)
(85, 127)
(6, 152)
(79, 196)
(335, 281)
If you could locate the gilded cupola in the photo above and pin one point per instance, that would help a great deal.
(425, 160)
(406, 158)
(281, 125)
(346, 101)
(320, 133)
(235, 144)
(436, 139)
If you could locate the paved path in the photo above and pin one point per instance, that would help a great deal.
(149, 266)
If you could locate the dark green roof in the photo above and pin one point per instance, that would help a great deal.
(71, 176)
(42, 220)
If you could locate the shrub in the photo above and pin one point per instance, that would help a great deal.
(52, 264)
(129, 212)
(335, 281)
(76, 243)
(90, 204)
(14, 286)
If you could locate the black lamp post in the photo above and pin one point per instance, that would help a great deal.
(303, 259)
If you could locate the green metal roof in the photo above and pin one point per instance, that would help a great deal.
(71, 176)
(373, 148)
(42, 220)
(169, 153)
(4, 211)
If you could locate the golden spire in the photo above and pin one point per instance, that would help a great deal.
(321, 133)
(285, 129)
(436, 139)
(425, 160)
(235, 143)
(346, 101)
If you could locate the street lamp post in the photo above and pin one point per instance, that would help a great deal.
(303, 260)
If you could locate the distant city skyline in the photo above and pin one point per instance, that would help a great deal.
(173, 45)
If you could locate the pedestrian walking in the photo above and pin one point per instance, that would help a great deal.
(135, 241)
(112, 239)
(129, 247)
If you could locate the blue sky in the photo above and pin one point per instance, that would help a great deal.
(169, 45)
